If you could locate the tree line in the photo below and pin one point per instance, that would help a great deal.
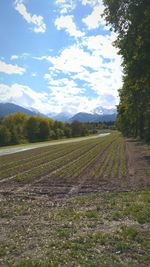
(20, 128)
(131, 20)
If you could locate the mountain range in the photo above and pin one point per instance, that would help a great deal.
(9, 108)
(88, 117)
(99, 114)
(62, 116)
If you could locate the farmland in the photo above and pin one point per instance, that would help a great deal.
(71, 204)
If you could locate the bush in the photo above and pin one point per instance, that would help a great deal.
(5, 135)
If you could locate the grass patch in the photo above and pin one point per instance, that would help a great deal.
(93, 230)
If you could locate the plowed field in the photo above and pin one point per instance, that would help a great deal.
(36, 182)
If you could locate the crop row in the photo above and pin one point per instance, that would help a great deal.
(40, 160)
(15, 159)
(48, 167)
(113, 162)
(25, 156)
(100, 157)
(102, 166)
(31, 154)
(74, 169)
(117, 169)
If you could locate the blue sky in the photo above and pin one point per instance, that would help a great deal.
(57, 55)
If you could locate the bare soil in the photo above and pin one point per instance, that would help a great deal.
(138, 165)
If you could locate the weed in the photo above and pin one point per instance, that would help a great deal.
(91, 214)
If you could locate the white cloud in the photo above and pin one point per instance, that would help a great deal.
(101, 45)
(11, 69)
(91, 3)
(67, 86)
(40, 58)
(22, 56)
(67, 95)
(103, 81)
(65, 6)
(60, 82)
(59, 99)
(34, 74)
(98, 69)
(37, 21)
(74, 60)
(95, 19)
(14, 57)
(25, 96)
(67, 23)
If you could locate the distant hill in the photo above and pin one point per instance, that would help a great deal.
(104, 111)
(62, 116)
(97, 114)
(8, 108)
(89, 117)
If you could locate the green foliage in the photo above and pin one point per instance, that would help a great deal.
(68, 132)
(21, 128)
(5, 135)
(131, 20)
(16, 124)
(79, 129)
(59, 133)
(32, 129)
(44, 130)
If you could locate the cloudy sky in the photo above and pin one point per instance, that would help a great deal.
(57, 55)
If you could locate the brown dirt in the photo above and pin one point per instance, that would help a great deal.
(138, 165)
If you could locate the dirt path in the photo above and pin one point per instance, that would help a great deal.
(138, 165)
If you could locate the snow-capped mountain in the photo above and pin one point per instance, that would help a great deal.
(88, 117)
(96, 115)
(104, 111)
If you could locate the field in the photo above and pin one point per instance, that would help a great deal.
(76, 204)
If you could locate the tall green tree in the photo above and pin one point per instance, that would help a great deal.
(5, 135)
(16, 123)
(32, 128)
(44, 130)
(131, 20)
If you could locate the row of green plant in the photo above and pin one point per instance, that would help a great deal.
(112, 163)
(30, 154)
(117, 168)
(27, 156)
(66, 159)
(74, 169)
(50, 166)
(38, 160)
(98, 157)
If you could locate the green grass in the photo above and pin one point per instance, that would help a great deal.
(101, 229)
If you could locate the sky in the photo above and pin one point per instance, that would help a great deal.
(58, 56)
